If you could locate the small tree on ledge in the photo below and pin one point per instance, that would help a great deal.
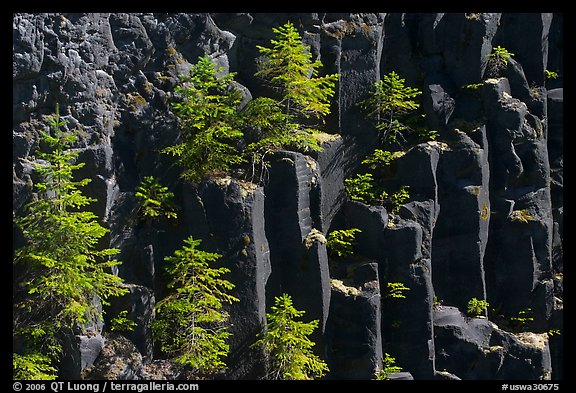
(190, 324)
(62, 268)
(286, 341)
(208, 113)
(389, 104)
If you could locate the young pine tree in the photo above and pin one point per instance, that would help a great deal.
(389, 104)
(341, 242)
(208, 113)
(155, 199)
(190, 323)
(286, 341)
(61, 268)
(287, 67)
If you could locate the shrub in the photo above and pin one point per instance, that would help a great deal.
(395, 290)
(288, 68)
(497, 61)
(155, 199)
(396, 199)
(340, 242)
(550, 74)
(361, 188)
(381, 158)
(500, 56)
(476, 307)
(120, 323)
(32, 366)
(523, 318)
(301, 98)
(388, 367)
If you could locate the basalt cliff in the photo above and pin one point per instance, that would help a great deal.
(457, 237)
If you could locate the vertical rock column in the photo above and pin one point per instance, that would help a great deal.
(520, 242)
(555, 154)
(299, 264)
(233, 217)
(459, 244)
(357, 45)
(353, 332)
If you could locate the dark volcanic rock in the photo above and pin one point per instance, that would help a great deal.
(119, 360)
(555, 153)
(458, 245)
(407, 323)
(475, 348)
(299, 263)
(353, 334)
(484, 218)
(360, 45)
(526, 35)
(80, 351)
(519, 173)
(372, 221)
(234, 213)
(139, 304)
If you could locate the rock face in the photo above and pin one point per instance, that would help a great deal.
(354, 334)
(484, 219)
(475, 348)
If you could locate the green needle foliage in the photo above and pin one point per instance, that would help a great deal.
(388, 367)
(361, 188)
(268, 129)
(61, 269)
(288, 67)
(302, 96)
(33, 367)
(340, 242)
(389, 105)
(121, 323)
(208, 113)
(395, 290)
(381, 158)
(286, 341)
(497, 61)
(395, 200)
(550, 74)
(155, 199)
(500, 56)
(476, 307)
(523, 319)
(190, 324)
(364, 188)
(218, 137)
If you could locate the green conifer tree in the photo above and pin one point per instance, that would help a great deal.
(286, 341)
(155, 199)
(302, 96)
(190, 323)
(208, 113)
(61, 268)
(289, 68)
(389, 104)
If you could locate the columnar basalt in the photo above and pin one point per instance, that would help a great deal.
(484, 219)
